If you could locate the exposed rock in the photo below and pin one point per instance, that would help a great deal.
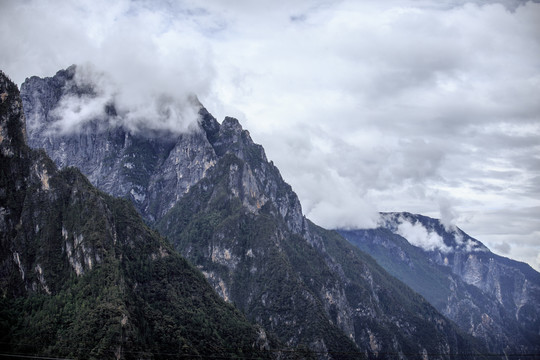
(154, 169)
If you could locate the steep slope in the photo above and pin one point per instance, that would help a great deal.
(243, 227)
(82, 276)
(492, 298)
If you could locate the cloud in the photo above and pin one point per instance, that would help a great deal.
(330, 205)
(417, 235)
(448, 215)
(363, 106)
(91, 95)
(408, 102)
(149, 62)
(503, 248)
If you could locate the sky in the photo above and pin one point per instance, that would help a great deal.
(426, 106)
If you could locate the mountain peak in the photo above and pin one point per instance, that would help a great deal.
(231, 123)
(61, 75)
(430, 234)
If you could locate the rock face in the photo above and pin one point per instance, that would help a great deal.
(495, 299)
(226, 208)
(82, 276)
(153, 168)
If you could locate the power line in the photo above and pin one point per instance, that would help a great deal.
(33, 357)
(295, 351)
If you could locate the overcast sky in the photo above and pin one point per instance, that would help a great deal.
(425, 106)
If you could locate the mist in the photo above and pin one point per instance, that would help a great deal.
(150, 66)
(92, 95)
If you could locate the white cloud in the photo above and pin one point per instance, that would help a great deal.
(76, 110)
(503, 248)
(363, 106)
(148, 61)
(330, 205)
(150, 111)
(417, 235)
(448, 216)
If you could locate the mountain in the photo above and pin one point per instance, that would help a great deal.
(495, 299)
(82, 276)
(212, 192)
(152, 168)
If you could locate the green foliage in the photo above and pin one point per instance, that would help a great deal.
(266, 259)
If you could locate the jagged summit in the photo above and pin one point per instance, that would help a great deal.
(153, 171)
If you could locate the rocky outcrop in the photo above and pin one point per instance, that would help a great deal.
(155, 168)
(485, 294)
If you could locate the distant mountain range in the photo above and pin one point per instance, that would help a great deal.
(212, 193)
(491, 297)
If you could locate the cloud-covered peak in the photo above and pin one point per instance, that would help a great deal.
(91, 95)
(417, 235)
(430, 234)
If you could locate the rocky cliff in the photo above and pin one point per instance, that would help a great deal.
(242, 225)
(225, 207)
(153, 168)
(83, 277)
(491, 297)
